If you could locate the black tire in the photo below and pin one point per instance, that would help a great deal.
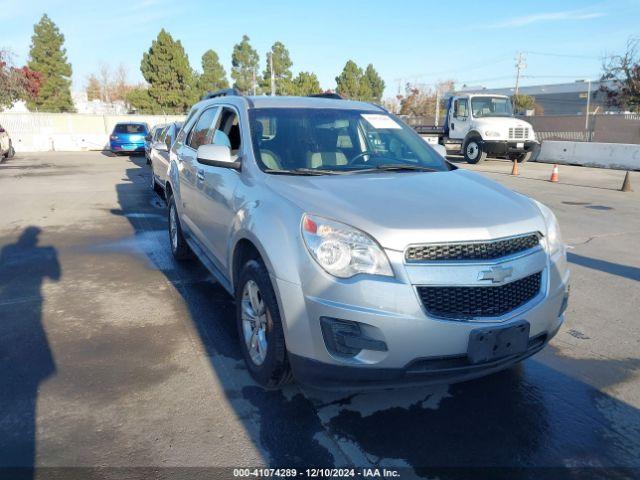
(274, 370)
(154, 185)
(524, 157)
(473, 151)
(12, 151)
(179, 246)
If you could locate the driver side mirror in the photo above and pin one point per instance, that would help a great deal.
(217, 156)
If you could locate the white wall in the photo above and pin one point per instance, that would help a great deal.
(621, 156)
(38, 132)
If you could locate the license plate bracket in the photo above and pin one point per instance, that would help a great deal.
(520, 145)
(491, 343)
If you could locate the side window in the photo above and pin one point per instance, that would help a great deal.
(202, 132)
(228, 131)
(461, 108)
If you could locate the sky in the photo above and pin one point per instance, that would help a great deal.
(472, 42)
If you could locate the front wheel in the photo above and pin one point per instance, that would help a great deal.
(179, 246)
(473, 151)
(260, 327)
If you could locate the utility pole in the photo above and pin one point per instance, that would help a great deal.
(273, 76)
(586, 118)
(437, 104)
(520, 65)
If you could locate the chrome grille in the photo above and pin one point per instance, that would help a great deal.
(518, 133)
(472, 250)
(474, 302)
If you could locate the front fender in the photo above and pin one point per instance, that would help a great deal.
(274, 229)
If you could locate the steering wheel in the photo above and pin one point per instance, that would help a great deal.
(353, 160)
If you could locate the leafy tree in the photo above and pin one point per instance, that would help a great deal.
(376, 84)
(351, 83)
(141, 101)
(305, 83)
(244, 64)
(166, 69)
(279, 56)
(48, 57)
(16, 83)
(622, 74)
(94, 89)
(522, 103)
(213, 75)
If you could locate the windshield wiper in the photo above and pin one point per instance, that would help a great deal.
(396, 167)
(302, 171)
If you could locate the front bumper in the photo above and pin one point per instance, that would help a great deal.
(504, 147)
(420, 349)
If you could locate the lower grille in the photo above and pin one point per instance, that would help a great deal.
(474, 302)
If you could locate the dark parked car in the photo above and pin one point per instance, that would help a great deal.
(128, 137)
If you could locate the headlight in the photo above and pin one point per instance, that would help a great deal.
(553, 239)
(492, 133)
(341, 250)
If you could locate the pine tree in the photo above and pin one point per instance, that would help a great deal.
(375, 82)
(244, 62)
(213, 75)
(171, 80)
(279, 56)
(48, 57)
(352, 84)
(305, 83)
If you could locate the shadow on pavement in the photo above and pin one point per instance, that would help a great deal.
(25, 356)
(618, 269)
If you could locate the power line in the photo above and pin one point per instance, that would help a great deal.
(564, 55)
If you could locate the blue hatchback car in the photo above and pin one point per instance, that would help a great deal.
(128, 137)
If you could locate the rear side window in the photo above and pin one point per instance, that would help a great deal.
(130, 128)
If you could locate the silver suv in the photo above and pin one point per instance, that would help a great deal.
(357, 255)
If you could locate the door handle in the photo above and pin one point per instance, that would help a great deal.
(200, 174)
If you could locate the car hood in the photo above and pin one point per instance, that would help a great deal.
(400, 208)
(508, 122)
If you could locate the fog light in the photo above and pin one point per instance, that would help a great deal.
(346, 338)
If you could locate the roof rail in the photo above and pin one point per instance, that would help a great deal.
(326, 95)
(227, 92)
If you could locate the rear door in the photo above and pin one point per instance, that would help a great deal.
(191, 178)
(216, 211)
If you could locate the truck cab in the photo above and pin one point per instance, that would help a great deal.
(478, 125)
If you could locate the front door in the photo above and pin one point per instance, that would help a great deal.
(459, 119)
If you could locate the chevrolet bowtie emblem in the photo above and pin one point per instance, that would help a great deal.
(496, 274)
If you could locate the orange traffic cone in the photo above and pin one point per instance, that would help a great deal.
(514, 169)
(554, 173)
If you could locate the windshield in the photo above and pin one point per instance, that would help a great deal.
(337, 141)
(491, 107)
(130, 128)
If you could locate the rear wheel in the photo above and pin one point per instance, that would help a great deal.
(473, 151)
(179, 247)
(260, 327)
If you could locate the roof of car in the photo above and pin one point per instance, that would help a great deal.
(132, 123)
(295, 102)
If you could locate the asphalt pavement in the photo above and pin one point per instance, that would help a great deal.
(114, 357)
